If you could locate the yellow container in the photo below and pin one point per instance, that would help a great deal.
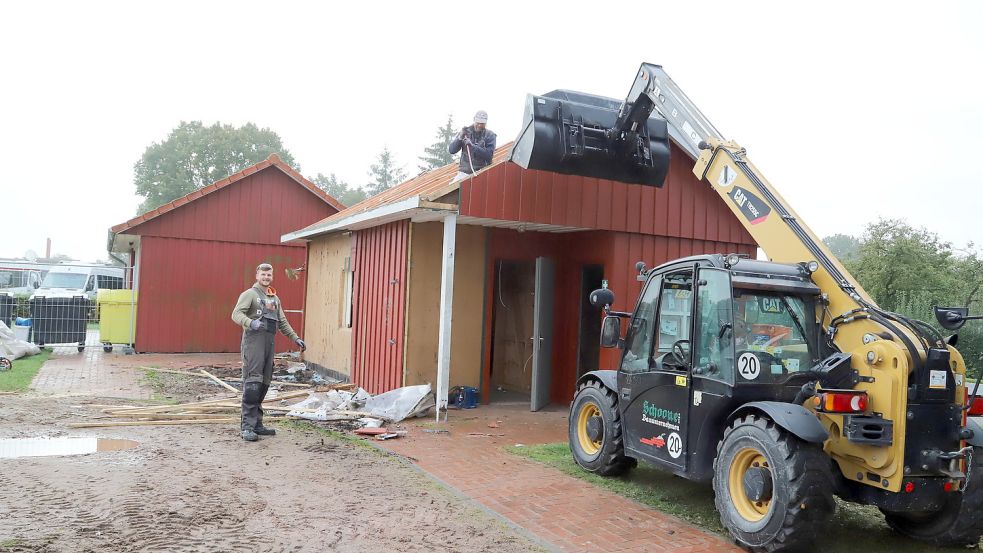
(117, 316)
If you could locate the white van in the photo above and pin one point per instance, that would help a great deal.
(18, 281)
(67, 281)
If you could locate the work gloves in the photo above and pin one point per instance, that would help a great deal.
(256, 324)
(301, 344)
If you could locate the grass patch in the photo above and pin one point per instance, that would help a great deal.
(159, 387)
(19, 378)
(12, 542)
(854, 528)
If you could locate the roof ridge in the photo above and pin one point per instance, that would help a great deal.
(273, 160)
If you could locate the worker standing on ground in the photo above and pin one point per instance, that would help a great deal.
(259, 313)
(476, 144)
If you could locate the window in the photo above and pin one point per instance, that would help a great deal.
(778, 329)
(349, 287)
(638, 345)
(675, 311)
(64, 280)
(714, 327)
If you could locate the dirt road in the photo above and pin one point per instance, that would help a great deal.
(201, 488)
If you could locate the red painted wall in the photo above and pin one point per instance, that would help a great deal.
(189, 287)
(684, 207)
(259, 209)
(198, 258)
(379, 306)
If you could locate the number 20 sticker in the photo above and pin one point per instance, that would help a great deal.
(675, 445)
(749, 366)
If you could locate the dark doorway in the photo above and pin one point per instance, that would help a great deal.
(512, 329)
(589, 347)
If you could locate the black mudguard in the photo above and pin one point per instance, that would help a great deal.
(609, 379)
(976, 425)
(794, 418)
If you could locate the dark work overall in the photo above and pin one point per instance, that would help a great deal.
(257, 364)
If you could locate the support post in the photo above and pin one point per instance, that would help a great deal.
(446, 313)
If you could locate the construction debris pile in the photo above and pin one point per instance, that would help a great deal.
(326, 403)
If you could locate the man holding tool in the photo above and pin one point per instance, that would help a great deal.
(478, 144)
(260, 314)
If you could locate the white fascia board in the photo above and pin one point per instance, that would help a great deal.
(354, 219)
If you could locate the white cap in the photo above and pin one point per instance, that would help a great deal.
(481, 117)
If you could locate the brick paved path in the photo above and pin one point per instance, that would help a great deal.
(94, 373)
(564, 511)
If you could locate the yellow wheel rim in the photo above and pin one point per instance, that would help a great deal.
(589, 446)
(747, 458)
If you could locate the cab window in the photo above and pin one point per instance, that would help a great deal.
(638, 343)
(777, 329)
(714, 337)
(675, 320)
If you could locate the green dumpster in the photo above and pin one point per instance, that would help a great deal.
(117, 317)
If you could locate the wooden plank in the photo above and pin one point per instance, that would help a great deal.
(148, 423)
(219, 382)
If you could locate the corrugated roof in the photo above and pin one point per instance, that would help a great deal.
(272, 161)
(428, 186)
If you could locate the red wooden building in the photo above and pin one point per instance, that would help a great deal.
(195, 255)
(462, 275)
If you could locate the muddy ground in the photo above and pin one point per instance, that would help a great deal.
(201, 488)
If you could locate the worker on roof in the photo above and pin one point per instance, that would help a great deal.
(259, 313)
(476, 144)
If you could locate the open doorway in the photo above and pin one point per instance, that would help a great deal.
(512, 327)
(589, 337)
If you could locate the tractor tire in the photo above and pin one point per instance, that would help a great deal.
(774, 492)
(595, 432)
(958, 524)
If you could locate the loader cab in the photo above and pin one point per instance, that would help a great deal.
(704, 339)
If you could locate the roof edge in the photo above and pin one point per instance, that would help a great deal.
(316, 229)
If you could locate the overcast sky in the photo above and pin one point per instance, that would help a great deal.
(852, 110)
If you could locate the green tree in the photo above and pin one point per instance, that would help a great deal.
(436, 155)
(385, 174)
(339, 189)
(910, 270)
(895, 257)
(843, 246)
(193, 156)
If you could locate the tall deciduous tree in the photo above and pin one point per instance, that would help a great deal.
(909, 270)
(194, 155)
(339, 189)
(385, 174)
(843, 246)
(436, 154)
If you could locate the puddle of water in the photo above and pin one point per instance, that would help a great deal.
(12, 448)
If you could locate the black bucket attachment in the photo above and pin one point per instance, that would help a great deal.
(574, 133)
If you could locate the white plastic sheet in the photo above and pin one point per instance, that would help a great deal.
(392, 406)
(11, 347)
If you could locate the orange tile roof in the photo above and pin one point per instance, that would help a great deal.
(429, 186)
(272, 161)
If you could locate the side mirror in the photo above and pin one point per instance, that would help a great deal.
(611, 332)
(953, 318)
(601, 297)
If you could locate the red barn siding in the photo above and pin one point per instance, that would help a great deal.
(197, 258)
(189, 287)
(684, 207)
(259, 209)
(379, 306)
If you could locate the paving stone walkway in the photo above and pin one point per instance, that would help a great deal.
(565, 512)
(93, 372)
